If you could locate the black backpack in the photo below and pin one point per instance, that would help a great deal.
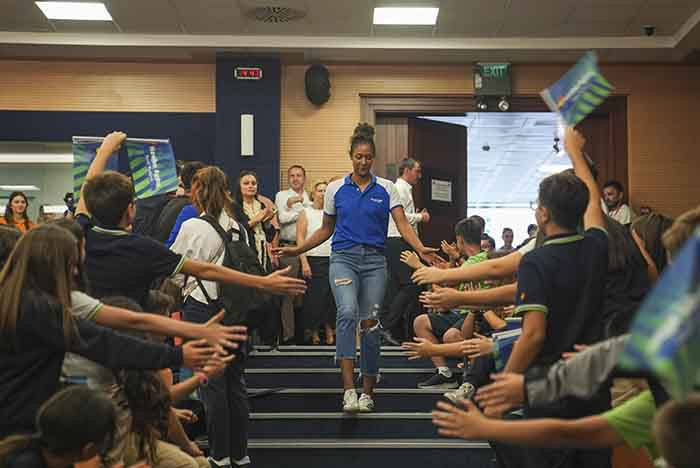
(238, 301)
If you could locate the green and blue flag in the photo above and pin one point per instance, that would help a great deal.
(151, 163)
(152, 166)
(579, 91)
(665, 335)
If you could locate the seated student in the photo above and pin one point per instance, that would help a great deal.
(449, 326)
(119, 263)
(37, 329)
(74, 425)
(148, 426)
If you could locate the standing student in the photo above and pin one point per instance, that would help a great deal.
(319, 305)
(16, 212)
(290, 203)
(225, 397)
(37, 329)
(356, 213)
(401, 302)
(561, 293)
(179, 209)
(119, 263)
(507, 237)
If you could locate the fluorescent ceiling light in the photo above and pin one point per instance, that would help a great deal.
(19, 188)
(419, 16)
(84, 11)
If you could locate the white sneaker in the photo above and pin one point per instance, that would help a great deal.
(365, 403)
(464, 392)
(350, 403)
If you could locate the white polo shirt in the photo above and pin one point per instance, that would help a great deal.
(405, 192)
(288, 216)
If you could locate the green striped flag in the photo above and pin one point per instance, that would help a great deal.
(152, 165)
(579, 91)
(84, 151)
(665, 335)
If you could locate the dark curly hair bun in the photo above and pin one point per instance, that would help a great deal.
(364, 130)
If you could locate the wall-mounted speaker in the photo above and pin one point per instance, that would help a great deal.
(318, 84)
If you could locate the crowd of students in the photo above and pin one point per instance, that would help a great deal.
(536, 329)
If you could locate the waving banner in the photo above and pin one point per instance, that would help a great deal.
(84, 151)
(579, 91)
(665, 335)
(152, 166)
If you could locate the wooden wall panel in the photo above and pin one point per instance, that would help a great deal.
(96, 86)
(663, 111)
(392, 144)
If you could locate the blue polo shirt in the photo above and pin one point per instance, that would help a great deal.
(362, 218)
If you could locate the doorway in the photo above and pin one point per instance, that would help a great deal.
(404, 127)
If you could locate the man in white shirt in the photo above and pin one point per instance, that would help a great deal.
(613, 205)
(402, 295)
(289, 204)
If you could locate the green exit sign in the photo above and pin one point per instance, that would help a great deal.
(492, 79)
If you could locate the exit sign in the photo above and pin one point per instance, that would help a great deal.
(248, 73)
(492, 79)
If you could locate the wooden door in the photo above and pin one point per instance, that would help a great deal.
(442, 150)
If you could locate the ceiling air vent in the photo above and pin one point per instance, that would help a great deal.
(276, 14)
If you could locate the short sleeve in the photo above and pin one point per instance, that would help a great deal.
(528, 247)
(597, 233)
(84, 306)
(329, 200)
(160, 260)
(633, 420)
(394, 197)
(532, 290)
(84, 221)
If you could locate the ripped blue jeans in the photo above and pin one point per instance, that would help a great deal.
(358, 280)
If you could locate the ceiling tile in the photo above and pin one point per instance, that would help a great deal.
(209, 16)
(22, 15)
(602, 13)
(85, 26)
(139, 16)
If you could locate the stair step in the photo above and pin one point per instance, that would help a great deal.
(329, 399)
(343, 453)
(326, 359)
(329, 377)
(341, 425)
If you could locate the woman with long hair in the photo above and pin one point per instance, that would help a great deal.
(356, 213)
(37, 328)
(319, 306)
(16, 212)
(225, 397)
(74, 425)
(259, 214)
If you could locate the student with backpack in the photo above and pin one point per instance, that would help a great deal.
(218, 238)
(119, 263)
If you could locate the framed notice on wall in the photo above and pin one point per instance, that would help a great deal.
(441, 190)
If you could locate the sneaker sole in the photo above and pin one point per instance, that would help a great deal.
(365, 410)
(443, 386)
(351, 409)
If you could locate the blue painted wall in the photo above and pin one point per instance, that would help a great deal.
(260, 98)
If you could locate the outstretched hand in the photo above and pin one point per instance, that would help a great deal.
(280, 283)
(429, 254)
(419, 348)
(223, 337)
(428, 275)
(441, 298)
(463, 421)
(476, 347)
(505, 393)
(112, 142)
(411, 259)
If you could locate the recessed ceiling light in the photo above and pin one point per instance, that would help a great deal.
(83, 11)
(417, 16)
(19, 188)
